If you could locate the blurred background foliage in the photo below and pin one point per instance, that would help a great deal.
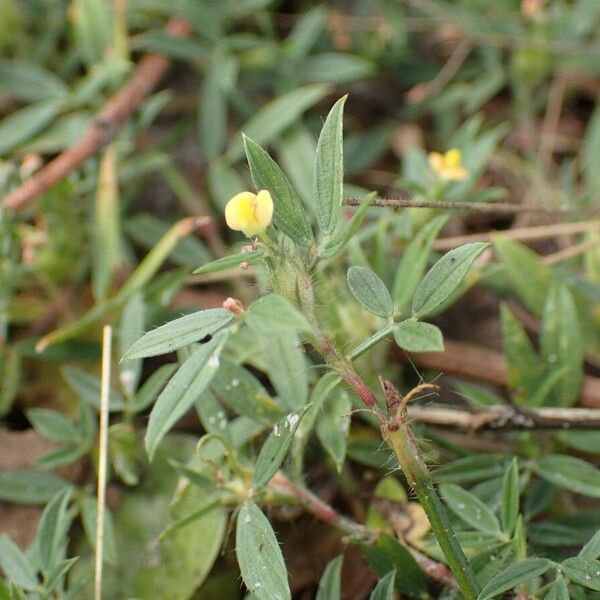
(512, 83)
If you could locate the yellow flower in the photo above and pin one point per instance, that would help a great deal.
(250, 213)
(447, 166)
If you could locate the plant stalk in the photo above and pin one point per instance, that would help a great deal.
(400, 439)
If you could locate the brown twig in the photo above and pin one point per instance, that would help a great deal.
(391, 511)
(105, 125)
(406, 201)
(488, 366)
(505, 417)
(536, 232)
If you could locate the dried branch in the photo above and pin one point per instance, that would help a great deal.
(391, 511)
(504, 417)
(486, 365)
(536, 232)
(105, 125)
(406, 201)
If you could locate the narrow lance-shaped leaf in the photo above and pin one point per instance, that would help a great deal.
(289, 215)
(259, 555)
(333, 424)
(182, 390)
(370, 291)
(329, 169)
(592, 548)
(561, 344)
(330, 584)
(230, 262)
(275, 449)
(179, 332)
(470, 508)
(52, 529)
(510, 497)
(384, 590)
(413, 262)
(584, 571)
(273, 118)
(558, 590)
(517, 573)
(444, 277)
(525, 369)
(16, 565)
(273, 313)
(571, 473)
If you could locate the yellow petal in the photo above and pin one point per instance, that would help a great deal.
(263, 209)
(239, 212)
(436, 161)
(458, 173)
(453, 157)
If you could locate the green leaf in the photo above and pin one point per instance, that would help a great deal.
(329, 169)
(23, 124)
(240, 390)
(106, 229)
(414, 260)
(183, 390)
(472, 468)
(53, 528)
(592, 548)
(56, 574)
(16, 565)
(30, 82)
(88, 387)
(259, 555)
(470, 508)
(528, 275)
(558, 590)
(384, 590)
(333, 424)
(212, 110)
(52, 425)
(275, 314)
(525, 369)
(334, 67)
(562, 345)
(273, 118)
(89, 513)
(370, 291)
(419, 337)
(288, 215)
(340, 238)
(389, 554)
(147, 394)
(93, 27)
(179, 332)
(509, 507)
(29, 487)
(584, 571)
(131, 328)
(330, 584)
(147, 229)
(287, 367)
(274, 449)
(513, 575)
(570, 473)
(230, 262)
(444, 277)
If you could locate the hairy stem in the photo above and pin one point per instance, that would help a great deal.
(400, 439)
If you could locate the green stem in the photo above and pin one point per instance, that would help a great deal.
(418, 476)
(371, 341)
(397, 433)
